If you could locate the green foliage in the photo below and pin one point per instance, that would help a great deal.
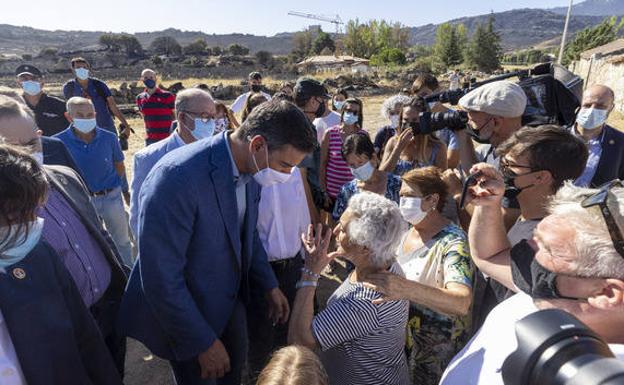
(216, 50)
(323, 41)
(529, 56)
(49, 52)
(117, 42)
(157, 61)
(368, 39)
(592, 37)
(302, 45)
(484, 50)
(198, 47)
(237, 50)
(388, 56)
(449, 46)
(166, 45)
(264, 58)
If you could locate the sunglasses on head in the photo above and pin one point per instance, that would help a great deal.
(601, 199)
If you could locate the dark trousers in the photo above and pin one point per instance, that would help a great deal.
(105, 314)
(264, 337)
(234, 338)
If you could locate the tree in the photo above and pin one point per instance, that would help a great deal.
(117, 42)
(388, 56)
(323, 41)
(166, 45)
(49, 52)
(366, 40)
(485, 51)
(237, 50)
(592, 37)
(302, 45)
(447, 49)
(198, 47)
(264, 58)
(216, 50)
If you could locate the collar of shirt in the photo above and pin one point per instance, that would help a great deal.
(239, 179)
(176, 137)
(596, 140)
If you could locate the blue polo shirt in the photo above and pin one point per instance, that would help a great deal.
(97, 91)
(96, 160)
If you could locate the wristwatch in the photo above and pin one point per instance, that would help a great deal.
(301, 284)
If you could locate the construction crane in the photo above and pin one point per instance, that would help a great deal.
(336, 20)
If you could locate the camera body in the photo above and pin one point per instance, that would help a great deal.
(429, 122)
(556, 348)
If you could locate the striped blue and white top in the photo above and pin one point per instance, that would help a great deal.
(363, 343)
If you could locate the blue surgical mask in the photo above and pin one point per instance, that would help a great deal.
(364, 172)
(592, 118)
(84, 125)
(338, 104)
(204, 128)
(394, 121)
(31, 87)
(23, 245)
(149, 83)
(350, 118)
(82, 73)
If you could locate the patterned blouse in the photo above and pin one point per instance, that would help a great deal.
(350, 189)
(434, 338)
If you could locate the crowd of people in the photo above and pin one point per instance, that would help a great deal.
(212, 254)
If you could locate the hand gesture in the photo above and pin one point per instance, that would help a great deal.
(316, 245)
(406, 137)
(389, 285)
(214, 362)
(490, 187)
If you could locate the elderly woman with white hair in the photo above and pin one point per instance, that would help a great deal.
(361, 336)
(390, 110)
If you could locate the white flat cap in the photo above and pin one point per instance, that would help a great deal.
(502, 98)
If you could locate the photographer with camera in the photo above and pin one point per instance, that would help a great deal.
(575, 262)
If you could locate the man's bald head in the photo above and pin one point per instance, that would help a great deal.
(148, 71)
(599, 96)
(193, 100)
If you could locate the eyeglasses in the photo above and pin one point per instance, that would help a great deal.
(204, 116)
(602, 199)
(505, 168)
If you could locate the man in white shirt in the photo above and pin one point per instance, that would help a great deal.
(255, 85)
(584, 277)
(283, 216)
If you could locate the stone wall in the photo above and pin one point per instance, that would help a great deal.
(607, 70)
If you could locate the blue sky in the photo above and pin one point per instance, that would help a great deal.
(229, 16)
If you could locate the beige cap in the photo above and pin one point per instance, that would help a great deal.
(502, 98)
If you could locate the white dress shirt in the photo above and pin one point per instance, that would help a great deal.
(10, 369)
(239, 103)
(282, 217)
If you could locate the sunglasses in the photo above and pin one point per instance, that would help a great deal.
(505, 168)
(602, 199)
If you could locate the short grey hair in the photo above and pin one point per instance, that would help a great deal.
(13, 94)
(75, 101)
(390, 103)
(376, 224)
(11, 107)
(596, 256)
(185, 98)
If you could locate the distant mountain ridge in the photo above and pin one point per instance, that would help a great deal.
(520, 28)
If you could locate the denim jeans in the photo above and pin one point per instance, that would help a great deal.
(110, 207)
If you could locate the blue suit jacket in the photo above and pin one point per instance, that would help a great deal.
(193, 265)
(144, 161)
(56, 154)
(611, 164)
(56, 340)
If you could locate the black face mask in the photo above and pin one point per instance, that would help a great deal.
(256, 87)
(531, 277)
(320, 111)
(511, 190)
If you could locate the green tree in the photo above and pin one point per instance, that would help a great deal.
(323, 41)
(166, 45)
(302, 45)
(592, 37)
(388, 56)
(484, 50)
(198, 47)
(216, 50)
(447, 49)
(368, 39)
(117, 42)
(264, 58)
(237, 50)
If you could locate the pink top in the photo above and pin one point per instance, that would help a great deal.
(338, 172)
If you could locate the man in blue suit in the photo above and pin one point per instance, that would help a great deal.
(192, 99)
(605, 143)
(199, 250)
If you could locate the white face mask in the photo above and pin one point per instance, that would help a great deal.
(84, 125)
(82, 73)
(394, 121)
(364, 172)
(591, 118)
(267, 176)
(411, 210)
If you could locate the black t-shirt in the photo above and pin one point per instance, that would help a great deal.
(49, 115)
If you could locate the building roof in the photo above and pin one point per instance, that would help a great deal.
(613, 48)
(332, 60)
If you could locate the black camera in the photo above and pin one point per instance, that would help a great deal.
(430, 122)
(555, 348)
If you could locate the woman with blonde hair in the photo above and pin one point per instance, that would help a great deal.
(293, 365)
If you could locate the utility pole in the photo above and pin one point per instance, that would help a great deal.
(565, 33)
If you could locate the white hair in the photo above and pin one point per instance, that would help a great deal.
(185, 97)
(77, 101)
(376, 224)
(596, 256)
(390, 103)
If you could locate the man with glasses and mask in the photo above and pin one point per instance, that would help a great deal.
(255, 85)
(49, 110)
(195, 113)
(534, 163)
(605, 143)
(575, 262)
(199, 249)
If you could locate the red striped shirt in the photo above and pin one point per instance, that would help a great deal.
(338, 172)
(157, 110)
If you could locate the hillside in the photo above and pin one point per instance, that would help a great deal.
(519, 28)
(594, 8)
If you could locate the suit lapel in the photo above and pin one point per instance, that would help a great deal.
(223, 181)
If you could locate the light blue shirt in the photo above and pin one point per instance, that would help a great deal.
(595, 152)
(241, 189)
